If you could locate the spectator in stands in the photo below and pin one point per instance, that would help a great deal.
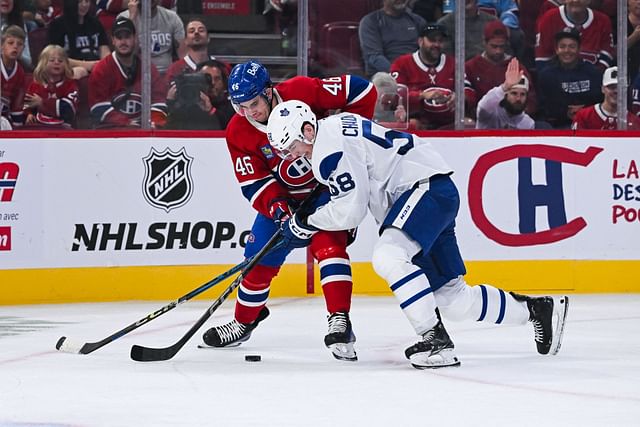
(633, 39)
(81, 35)
(604, 115)
(475, 21)
(44, 12)
(593, 26)
(390, 107)
(11, 14)
(567, 83)
(107, 10)
(430, 76)
(13, 78)
(115, 83)
(52, 96)
(196, 43)
(167, 32)
(200, 100)
(503, 106)
(487, 70)
(387, 33)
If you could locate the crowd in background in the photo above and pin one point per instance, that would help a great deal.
(529, 64)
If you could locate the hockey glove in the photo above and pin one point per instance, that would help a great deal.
(280, 211)
(296, 233)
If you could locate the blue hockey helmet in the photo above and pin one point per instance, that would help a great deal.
(248, 80)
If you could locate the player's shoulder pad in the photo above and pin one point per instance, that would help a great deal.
(329, 164)
(357, 87)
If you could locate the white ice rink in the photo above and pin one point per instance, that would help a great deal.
(594, 381)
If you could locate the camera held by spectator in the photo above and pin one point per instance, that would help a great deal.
(190, 86)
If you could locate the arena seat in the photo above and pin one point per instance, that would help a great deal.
(339, 48)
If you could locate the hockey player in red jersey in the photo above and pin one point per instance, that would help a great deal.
(13, 79)
(275, 186)
(115, 84)
(52, 97)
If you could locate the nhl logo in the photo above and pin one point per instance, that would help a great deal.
(167, 179)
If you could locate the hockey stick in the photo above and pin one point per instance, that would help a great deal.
(68, 346)
(149, 354)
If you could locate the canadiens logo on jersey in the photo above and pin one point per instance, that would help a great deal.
(167, 179)
(294, 173)
(127, 103)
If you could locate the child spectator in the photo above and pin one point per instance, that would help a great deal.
(11, 14)
(13, 78)
(52, 97)
(604, 115)
(81, 35)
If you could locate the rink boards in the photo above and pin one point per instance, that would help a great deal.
(90, 218)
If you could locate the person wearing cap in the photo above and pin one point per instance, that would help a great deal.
(115, 92)
(567, 84)
(167, 32)
(387, 33)
(503, 106)
(593, 26)
(486, 70)
(604, 116)
(429, 74)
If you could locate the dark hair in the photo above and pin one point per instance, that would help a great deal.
(568, 34)
(15, 16)
(217, 64)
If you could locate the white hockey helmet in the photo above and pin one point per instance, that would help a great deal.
(286, 123)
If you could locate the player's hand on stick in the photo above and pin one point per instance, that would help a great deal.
(296, 233)
(280, 211)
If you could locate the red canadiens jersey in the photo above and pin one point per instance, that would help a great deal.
(13, 84)
(596, 39)
(594, 117)
(113, 102)
(410, 71)
(59, 102)
(264, 177)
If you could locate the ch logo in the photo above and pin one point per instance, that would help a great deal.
(530, 196)
(8, 178)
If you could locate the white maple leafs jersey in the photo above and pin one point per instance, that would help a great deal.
(367, 165)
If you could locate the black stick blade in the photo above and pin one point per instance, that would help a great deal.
(147, 354)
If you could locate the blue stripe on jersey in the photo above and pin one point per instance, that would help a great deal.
(357, 85)
(329, 164)
(405, 279)
(503, 306)
(249, 190)
(484, 303)
(335, 269)
(243, 296)
(416, 297)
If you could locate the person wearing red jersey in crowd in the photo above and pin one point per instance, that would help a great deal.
(115, 83)
(430, 76)
(275, 186)
(108, 10)
(44, 12)
(593, 26)
(486, 71)
(604, 115)
(13, 78)
(52, 97)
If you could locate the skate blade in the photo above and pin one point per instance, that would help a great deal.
(443, 359)
(560, 310)
(343, 351)
(205, 346)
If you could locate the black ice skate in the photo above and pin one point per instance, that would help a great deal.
(234, 333)
(340, 338)
(435, 350)
(547, 314)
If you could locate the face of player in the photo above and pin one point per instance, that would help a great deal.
(494, 49)
(124, 43)
(55, 67)
(196, 35)
(257, 108)
(12, 48)
(567, 51)
(6, 6)
(217, 88)
(83, 7)
(431, 48)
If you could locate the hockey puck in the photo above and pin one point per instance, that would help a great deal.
(252, 358)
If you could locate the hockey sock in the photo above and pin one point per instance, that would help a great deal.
(253, 293)
(335, 270)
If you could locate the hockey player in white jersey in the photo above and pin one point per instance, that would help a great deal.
(407, 187)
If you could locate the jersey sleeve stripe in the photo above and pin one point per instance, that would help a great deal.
(253, 191)
(357, 88)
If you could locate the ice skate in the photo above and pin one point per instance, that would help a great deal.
(340, 337)
(234, 333)
(547, 314)
(435, 350)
